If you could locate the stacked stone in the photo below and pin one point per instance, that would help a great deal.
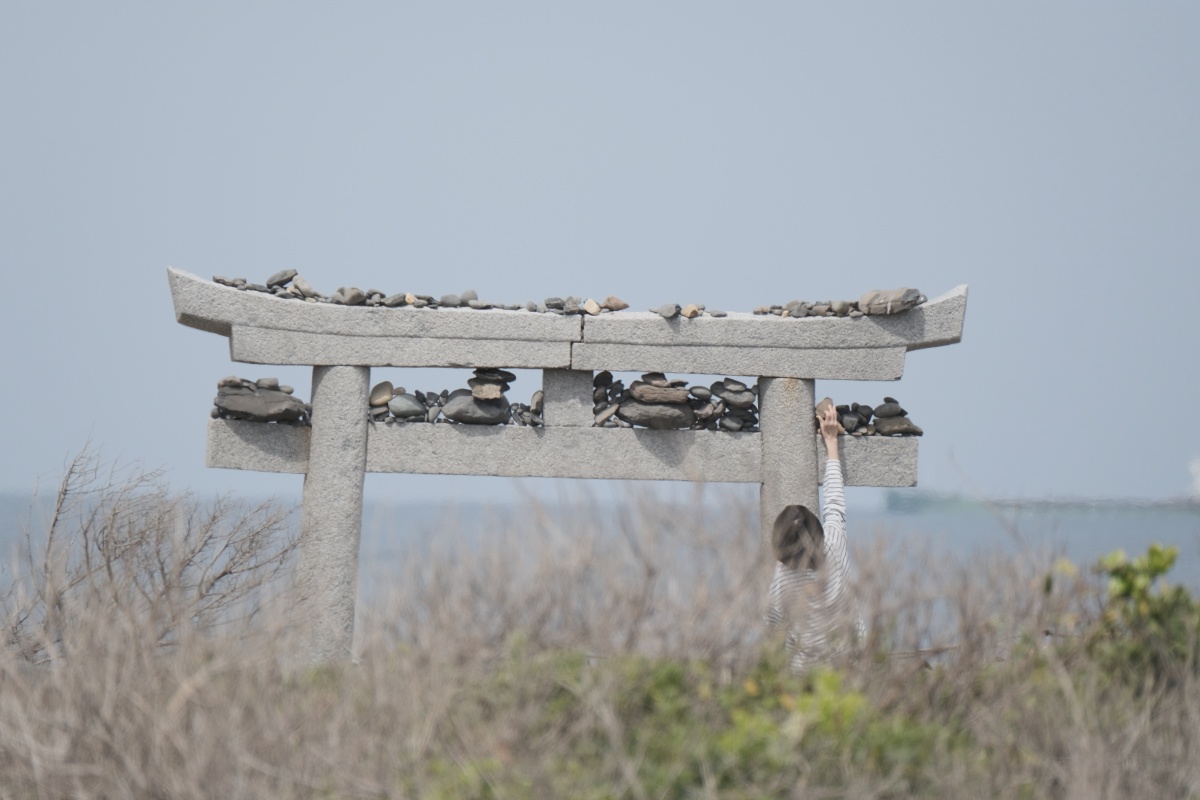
(657, 402)
(875, 303)
(886, 419)
(288, 285)
(690, 311)
(263, 400)
(482, 403)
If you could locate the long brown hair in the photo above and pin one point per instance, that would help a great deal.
(798, 538)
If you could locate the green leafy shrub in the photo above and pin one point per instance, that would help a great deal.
(639, 727)
(1149, 629)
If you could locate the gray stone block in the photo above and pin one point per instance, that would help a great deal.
(872, 364)
(509, 451)
(939, 321)
(273, 346)
(567, 398)
(257, 446)
(607, 453)
(874, 460)
(211, 307)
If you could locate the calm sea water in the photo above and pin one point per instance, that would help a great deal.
(1083, 534)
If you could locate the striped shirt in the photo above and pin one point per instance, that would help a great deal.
(813, 603)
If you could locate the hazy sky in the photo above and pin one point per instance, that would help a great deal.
(1046, 154)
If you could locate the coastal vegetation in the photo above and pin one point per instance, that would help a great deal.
(614, 652)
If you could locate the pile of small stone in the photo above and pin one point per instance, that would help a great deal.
(263, 400)
(288, 285)
(875, 303)
(482, 403)
(886, 419)
(690, 311)
(657, 402)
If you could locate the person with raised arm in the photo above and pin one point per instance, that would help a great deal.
(808, 592)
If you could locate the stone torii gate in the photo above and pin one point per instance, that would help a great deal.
(342, 343)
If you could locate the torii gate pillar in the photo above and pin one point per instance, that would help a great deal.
(331, 513)
(789, 455)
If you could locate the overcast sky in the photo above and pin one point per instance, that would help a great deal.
(1045, 154)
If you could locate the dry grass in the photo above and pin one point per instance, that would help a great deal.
(602, 653)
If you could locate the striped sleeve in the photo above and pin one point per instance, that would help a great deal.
(833, 519)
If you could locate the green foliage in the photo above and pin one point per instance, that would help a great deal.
(1149, 630)
(675, 729)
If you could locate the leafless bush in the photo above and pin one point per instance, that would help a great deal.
(118, 542)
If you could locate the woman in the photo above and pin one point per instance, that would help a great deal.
(808, 593)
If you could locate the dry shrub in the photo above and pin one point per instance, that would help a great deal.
(594, 650)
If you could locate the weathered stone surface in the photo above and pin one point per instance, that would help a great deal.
(888, 426)
(264, 405)
(606, 413)
(889, 408)
(655, 379)
(873, 364)
(567, 397)
(509, 451)
(668, 310)
(303, 287)
(381, 393)
(690, 311)
(591, 308)
(267, 383)
(450, 301)
(494, 375)
(395, 300)
(936, 322)
(730, 424)
(281, 278)
(657, 394)
(734, 399)
(613, 303)
(789, 471)
(472, 411)
(404, 406)
(271, 346)
(487, 391)
(700, 393)
(603, 378)
(657, 416)
(889, 301)
(353, 296)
